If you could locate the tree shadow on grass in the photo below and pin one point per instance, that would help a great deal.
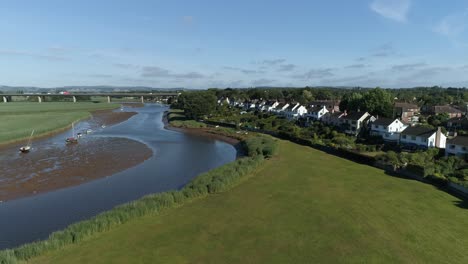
(462, 203)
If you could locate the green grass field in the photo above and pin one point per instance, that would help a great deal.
(302, 206)
(18, 119)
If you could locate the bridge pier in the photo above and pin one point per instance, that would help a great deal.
(39, 99)
(142, 100)
(5, 100)
(108, 99)
(74, 99)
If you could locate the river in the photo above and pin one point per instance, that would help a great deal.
(176, 159)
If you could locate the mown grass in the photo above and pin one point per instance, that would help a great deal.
(17, 120)
(302, 206)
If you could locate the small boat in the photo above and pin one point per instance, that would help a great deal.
(73, 139)
(27, 148)
(79, 135)
(103, 126)
(89, 131)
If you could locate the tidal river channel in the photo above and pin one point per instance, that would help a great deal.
(171, 159)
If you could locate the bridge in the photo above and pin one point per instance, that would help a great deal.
(73, 96)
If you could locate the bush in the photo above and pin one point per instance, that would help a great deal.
(260, 146)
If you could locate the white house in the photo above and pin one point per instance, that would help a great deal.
(457, 146)
(354, 122)
(296, 112)
(290, 110)
(224, 100)
(388, 129)
(280, 108)
(422, 137)
(270, 106)
(316, 112)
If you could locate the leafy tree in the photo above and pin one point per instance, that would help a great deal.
(378, 102)
(438, 120)
(198, 104)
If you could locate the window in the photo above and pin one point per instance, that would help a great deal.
(464, 148)
(413, 137)
(403, 136)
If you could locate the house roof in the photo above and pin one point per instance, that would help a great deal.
(459, 140)
(406, 106)
(280, 105)
(458, 120)
(354, 115)
(314, 109)
(445, 109)
(290, 107)
(383, 122)
(335, 114)
(419, 131)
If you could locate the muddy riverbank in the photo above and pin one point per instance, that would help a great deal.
(52, 165)
(206, 132)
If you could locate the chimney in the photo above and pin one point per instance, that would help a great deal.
(438, 137)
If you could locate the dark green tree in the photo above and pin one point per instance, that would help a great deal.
(197, 104)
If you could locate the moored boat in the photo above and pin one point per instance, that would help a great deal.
(27, 148)
(73, 139)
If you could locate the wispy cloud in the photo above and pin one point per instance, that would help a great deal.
(287, 67)
(244, 71)
(158, 72)
(453, 25)
(272, 62)
(356, 66)
(314, 74)
(384, 50)
(125, 65)
(392, 9)
(43, 56)
(409, 66)
(100, 76)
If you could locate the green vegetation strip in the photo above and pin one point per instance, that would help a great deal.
(214, 181)
(19, 119)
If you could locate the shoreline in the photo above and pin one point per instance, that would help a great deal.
(206, 132)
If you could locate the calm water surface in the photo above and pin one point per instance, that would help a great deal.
(177, 158)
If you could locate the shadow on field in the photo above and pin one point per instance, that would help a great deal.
(462, 204)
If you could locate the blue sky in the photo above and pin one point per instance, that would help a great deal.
(201, 44)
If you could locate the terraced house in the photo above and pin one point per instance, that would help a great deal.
(457, 146)
(353, 122)
(388, 129)
(423, 138)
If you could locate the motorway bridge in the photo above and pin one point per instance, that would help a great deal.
(74, 96)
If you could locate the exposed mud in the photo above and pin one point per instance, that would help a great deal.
(53, 166)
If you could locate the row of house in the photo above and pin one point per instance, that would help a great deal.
(396, 130)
